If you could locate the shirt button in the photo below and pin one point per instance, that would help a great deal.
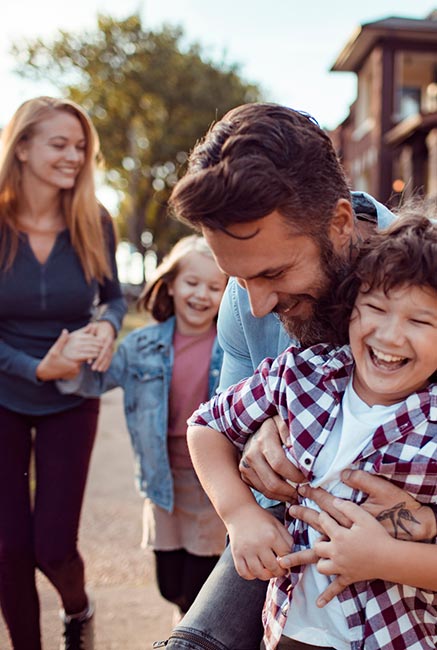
(307, 461)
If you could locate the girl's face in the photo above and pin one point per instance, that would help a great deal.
(55, 154)
(394, 343)
(197, 291)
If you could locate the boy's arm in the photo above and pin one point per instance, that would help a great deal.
(256, 537)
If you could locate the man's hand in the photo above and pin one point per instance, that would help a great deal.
(264, 465)
(55, 365)
(401, 515)
(257, 539)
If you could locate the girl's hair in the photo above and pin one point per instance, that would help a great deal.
(404, 254)
(79, 204)
(155, 297)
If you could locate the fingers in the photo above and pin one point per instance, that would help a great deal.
(334, 588)
(326, 502)
(299, 558)
(103, 360)
(265, 480)
(375, 486)
(60, 342)
(308, 515)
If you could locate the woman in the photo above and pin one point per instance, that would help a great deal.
(57, 264)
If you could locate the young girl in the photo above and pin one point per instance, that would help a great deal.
(369, 405)
(167, 370)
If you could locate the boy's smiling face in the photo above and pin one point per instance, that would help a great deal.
(394, 342)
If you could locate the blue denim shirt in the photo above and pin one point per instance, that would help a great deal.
(143, 366)
(247, 340)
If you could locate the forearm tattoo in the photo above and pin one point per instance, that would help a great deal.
(399, 516)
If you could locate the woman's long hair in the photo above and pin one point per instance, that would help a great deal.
(79, 205)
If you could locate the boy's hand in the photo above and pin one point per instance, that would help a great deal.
(264, 466)
(345, 552)
(257, 539)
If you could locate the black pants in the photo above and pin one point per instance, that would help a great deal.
(181, 575)
(44, 534)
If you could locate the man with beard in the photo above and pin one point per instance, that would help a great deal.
(267, 191)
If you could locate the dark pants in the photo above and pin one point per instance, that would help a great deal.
(42, 535)
(180, 575)
(226, 614)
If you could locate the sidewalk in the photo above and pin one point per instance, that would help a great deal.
(130, 613)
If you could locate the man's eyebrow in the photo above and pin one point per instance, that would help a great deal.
(268, 271)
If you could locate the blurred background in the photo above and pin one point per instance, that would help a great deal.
(154, 74)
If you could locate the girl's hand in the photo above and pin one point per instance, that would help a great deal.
(257, 539)
(55, 365)
(105, 334)
(82, 346)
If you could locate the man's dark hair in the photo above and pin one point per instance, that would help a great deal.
(404, 254)
(257, 159)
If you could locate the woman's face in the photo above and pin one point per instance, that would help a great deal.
(55, 154)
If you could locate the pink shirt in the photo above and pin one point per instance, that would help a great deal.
(188, 389)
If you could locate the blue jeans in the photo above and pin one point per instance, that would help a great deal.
(226, 614)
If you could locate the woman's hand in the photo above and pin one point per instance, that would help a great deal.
(105, 335)
(55, 365)
(265, 467)
(82, 345)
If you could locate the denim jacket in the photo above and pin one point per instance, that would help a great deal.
(142, 366)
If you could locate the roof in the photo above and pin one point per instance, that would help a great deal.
(367, 36)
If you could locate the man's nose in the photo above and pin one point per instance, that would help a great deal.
(262, 299)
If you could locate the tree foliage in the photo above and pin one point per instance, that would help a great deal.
(150, 96)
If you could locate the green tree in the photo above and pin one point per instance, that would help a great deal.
(150, 96)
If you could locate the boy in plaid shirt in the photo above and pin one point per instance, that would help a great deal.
(369, 405)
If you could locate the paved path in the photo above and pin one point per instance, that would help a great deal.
(130, 613)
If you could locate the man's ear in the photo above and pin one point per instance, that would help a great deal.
(342, 226)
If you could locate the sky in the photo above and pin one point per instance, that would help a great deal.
(286, 46)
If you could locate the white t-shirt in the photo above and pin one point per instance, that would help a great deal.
(352, 431)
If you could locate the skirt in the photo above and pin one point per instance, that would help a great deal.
(193, 525)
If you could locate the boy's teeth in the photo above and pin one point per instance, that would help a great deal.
(386, 357)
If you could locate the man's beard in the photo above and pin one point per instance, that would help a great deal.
(318, 327)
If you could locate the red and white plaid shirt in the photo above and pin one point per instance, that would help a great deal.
(305, 387)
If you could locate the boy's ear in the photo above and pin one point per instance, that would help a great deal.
(342, 226)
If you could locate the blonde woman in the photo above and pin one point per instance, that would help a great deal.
(57, 262)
